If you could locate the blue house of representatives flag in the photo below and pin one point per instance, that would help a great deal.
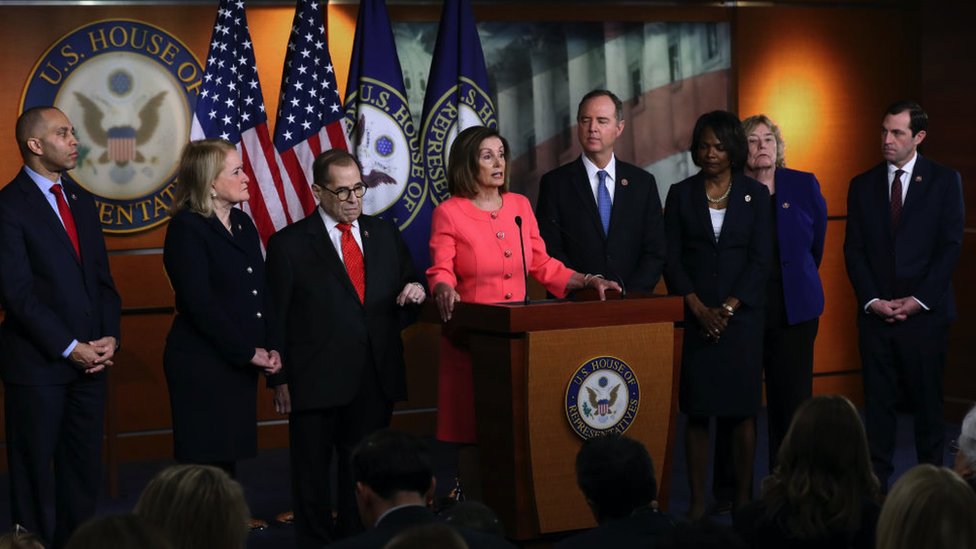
(457, 92)
(383, 134)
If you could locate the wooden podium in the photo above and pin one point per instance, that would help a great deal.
(524, 358)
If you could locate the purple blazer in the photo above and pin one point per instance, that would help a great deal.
(801, 227)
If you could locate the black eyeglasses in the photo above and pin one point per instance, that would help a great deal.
(344, 193)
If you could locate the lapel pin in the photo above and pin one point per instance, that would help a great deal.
(365, 234)
(918, 178)
(748, 198)
(624, 182)
(786, 205)
(238, 226)
(73, 197)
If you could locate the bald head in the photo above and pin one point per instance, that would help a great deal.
(30, 124)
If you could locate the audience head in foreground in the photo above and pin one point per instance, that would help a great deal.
(126, 531)
(196, 507)
(390, 469)
(820, 489)
(929, 507)
(616, 475)
(20, 538)
(426, 536)
(965, 461)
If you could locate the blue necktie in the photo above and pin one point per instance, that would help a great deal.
(603, 201)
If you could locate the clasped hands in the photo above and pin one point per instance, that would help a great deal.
(713, 320)
(94, 356)
(895, 310)
(269, 361)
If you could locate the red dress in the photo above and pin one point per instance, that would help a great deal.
(478, 254)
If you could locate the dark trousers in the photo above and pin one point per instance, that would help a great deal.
(62, 424)
(313, 435)
(788, 372)
(910, 357)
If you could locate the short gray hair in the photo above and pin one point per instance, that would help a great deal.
(967, 437)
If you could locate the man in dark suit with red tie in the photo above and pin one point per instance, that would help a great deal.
(59, 333)
(905, 221)
(340, 281)
(599, 214)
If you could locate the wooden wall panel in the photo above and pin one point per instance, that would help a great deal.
(825, 76)
(948, 78)
(141, 280)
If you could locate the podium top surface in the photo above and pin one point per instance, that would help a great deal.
(560, 315)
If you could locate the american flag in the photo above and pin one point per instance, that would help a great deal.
(230, 106)
(310, 111)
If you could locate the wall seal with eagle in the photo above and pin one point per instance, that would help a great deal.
(130, 89)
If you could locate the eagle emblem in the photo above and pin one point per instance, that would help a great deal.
(602, 404)
(121, 141)
(602, 397)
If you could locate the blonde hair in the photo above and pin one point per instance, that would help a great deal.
(749, 124)
(929, 507)
(20, 539)
(197, 507)
(200, 164)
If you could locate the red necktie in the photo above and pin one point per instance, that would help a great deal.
(352, 256)
(896, 200)
(66, 217)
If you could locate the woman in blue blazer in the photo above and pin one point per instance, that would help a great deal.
(794, 296)
(719, 248)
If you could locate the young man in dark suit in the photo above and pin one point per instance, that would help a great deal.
(616, 475)
(60, 331)
(340, 280)
(905, 221)
(394, 482)
(598, 214)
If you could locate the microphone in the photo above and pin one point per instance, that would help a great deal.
(525, 268)
(610, 271)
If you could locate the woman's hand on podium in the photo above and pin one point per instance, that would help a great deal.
(445, 297)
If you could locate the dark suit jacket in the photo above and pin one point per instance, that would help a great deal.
(918, 259)
(406, 517)
(329, 336)
(50, 296)
(735, 265)
(641, 529)
(223, 312)
(801, 228)
(633, 251)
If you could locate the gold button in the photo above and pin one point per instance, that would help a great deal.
(508, 253)
(508, 275)
(508, 295)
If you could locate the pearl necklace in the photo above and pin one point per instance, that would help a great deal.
(722, 198)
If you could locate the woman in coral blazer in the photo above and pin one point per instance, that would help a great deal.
(476, 257)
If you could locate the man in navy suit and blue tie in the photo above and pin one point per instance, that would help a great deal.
(905, 221)
(598, 214)
(59, 333)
